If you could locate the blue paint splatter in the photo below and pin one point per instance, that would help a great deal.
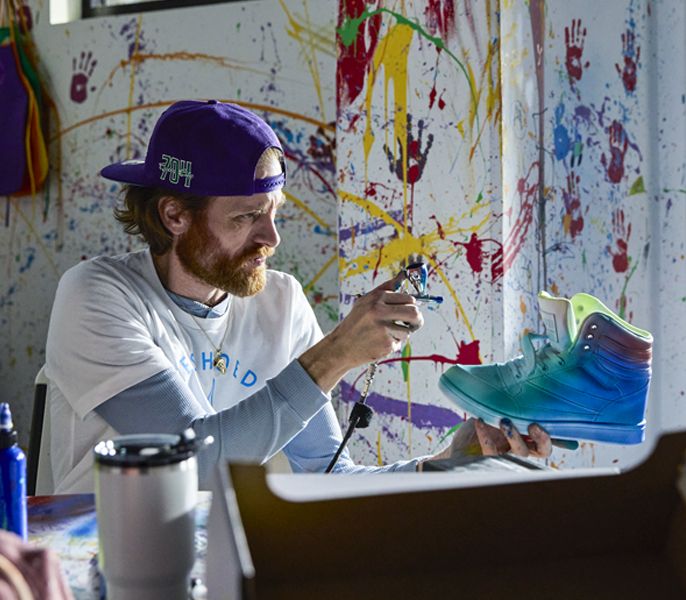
(562, 141)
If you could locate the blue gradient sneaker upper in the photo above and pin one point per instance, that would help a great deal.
(586, 378)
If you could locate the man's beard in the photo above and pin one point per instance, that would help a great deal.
(200, 254)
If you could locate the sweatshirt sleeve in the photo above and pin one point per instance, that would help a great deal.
(253, 430)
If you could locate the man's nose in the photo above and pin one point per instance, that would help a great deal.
(266, 233)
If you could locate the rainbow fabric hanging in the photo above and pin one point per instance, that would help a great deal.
(23, 150)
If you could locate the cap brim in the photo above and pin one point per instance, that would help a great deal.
(128, 171)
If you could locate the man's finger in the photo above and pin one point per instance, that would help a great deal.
(542, 443)
(393, 284)
(514, 439)
(488, 444)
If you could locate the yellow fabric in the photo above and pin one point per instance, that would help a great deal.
(36, 150)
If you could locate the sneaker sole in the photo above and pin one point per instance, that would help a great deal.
(570, 430)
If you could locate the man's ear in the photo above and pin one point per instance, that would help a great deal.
(174, 217)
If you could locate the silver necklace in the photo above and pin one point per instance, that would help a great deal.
(219, 361)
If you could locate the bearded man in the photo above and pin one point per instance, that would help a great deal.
(195, 331)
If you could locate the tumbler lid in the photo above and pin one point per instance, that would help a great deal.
(147, 450)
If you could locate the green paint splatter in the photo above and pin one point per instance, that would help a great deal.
(622, 297)
(405, 364)
(348, 34)
(450, 431)
(479, 198)
(678, 191)
(638, 187)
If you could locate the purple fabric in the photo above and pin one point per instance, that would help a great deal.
(14, 104)
(203, 148)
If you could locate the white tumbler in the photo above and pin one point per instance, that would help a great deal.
(145, 494)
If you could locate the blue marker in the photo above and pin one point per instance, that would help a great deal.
(12, 477)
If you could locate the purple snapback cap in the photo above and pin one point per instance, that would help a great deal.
(206, 149)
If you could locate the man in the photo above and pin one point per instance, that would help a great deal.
(196, 332)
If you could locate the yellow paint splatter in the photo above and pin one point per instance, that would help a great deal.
(302, 206)
(308, 48)
(566, 223)
(132, 83)
(325, 267)
(400, 247)
(460, 127)
(391, 53)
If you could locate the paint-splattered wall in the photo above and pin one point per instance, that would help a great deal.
(519, 146)
(516, 145)
(111, 78)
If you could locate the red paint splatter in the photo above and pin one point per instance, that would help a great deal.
(497, 264)
(352, 126)
(572, 202)
(354, 60)
(620, 261)
(574, 41)
(439, 227)
(475, 253)
(476, 256)
(619, 144)
(632, 55)
(432, 96)
(468, 354)
(440, 17)
(622, 231)
(527, 189)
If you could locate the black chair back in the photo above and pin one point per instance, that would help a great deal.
(37, 417)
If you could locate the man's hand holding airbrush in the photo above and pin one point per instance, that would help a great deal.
(378, 324)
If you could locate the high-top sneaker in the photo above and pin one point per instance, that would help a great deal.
(588, 379)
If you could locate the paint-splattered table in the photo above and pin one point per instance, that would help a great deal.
(67, 525)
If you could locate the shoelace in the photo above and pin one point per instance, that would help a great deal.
(543, 357)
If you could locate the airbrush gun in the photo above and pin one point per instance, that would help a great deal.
(416, 273)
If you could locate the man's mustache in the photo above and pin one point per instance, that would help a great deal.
(261, 252)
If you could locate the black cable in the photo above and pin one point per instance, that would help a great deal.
(360, 416)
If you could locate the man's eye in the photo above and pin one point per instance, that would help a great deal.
(247, 217)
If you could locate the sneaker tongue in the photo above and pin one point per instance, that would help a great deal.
(558, 318)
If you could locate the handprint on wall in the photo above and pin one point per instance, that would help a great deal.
(322, 149)
(619, 143)
(574, 42)
(416, 157)
(82, 72)
(622, 233)
(573, 220)
(632, 55)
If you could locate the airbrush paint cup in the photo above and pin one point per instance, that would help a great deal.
(146, 488)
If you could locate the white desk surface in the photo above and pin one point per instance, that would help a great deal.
(305, 487)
